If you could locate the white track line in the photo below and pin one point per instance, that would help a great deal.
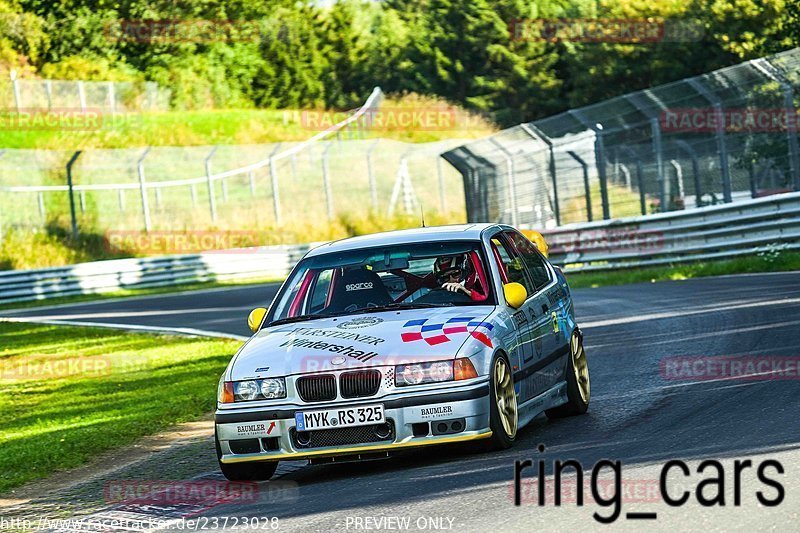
(191, 332)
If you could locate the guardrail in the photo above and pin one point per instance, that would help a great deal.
(108, 276)
(716, 232)
(725, 231)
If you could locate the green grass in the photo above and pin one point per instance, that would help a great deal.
(777, 261)
(238, 126)
(147, 291)
(50, 422)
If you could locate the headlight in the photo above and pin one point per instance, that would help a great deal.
(417, 374)
(273, 388)
(253, 389)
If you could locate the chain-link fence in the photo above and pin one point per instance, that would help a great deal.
(193, 188)
(97, 96)
(715, 138)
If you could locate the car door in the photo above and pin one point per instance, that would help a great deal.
(531, 321)
(552, 303)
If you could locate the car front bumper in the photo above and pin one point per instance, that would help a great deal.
(271, 434)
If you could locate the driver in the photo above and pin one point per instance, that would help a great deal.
(452, 274)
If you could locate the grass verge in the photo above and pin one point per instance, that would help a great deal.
(71, 393)
(775, 261)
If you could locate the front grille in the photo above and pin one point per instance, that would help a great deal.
(320, 388)
(321, 438)
(360, 383)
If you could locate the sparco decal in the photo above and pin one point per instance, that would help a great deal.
(313, 344)
(334, 334)
(358, 286)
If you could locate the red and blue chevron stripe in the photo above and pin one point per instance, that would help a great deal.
(435, 334)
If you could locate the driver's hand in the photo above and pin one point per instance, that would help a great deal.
(454, 287)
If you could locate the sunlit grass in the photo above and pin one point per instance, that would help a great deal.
(777, 261)
(137, 385)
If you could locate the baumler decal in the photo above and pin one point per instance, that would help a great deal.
(313, 344)
(335, 334)
(361, 322)
(436, 412)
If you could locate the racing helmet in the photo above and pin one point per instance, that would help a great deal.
(445, 267)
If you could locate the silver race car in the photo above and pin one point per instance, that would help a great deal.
(402, 339)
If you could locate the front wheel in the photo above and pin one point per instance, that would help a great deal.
(503, 405)
(250, 471)
(578, 385)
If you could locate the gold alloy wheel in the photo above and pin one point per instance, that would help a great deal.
(580, 366)
(505, 396)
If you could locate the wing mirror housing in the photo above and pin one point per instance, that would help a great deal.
(255, 318)
(515, 294)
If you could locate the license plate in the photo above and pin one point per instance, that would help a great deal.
(364, 415)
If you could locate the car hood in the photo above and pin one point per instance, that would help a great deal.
(359, 341)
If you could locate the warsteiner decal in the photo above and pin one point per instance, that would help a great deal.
(435, 334)
(335, 334)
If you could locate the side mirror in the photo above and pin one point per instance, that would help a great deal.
(256, 317)
(515, 294)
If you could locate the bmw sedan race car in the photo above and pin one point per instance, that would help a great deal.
(403, 339)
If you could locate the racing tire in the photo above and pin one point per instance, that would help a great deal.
(250, 471)
(578, 384)
(503, 413)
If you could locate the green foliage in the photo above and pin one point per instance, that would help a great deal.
(288, 54)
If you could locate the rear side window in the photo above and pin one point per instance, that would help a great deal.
(537, 267)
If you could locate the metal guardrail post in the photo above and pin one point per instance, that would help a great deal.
(212, 201)
(112, 97)
(252, 181)
(661, 178)
(600, 156)
(73, 218)
(373, 190)
(40, 199)
(722, 146)
(48, 88)
(512, 192)
(440, 178)
(326, 184)
(535, 132)
(143, 190)
(788, 102)
(639, 177)
(686, 147)
(121, 199)
(273, 176)
(587, 190)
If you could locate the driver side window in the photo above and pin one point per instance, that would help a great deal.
(512, 264)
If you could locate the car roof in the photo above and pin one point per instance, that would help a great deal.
(455, 232)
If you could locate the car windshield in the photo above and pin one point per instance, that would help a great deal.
(401, 276)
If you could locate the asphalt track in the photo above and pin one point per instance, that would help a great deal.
(637, 416)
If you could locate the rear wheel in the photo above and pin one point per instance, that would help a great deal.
(578, 385)
(250, 471)
(503, 405)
